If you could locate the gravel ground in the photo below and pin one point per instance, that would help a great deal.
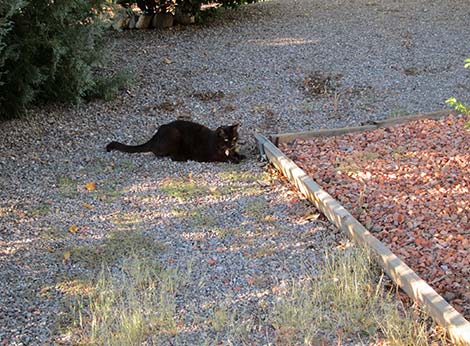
(253, 67)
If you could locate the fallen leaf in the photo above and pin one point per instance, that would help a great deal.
(73, 229)
(67, 255)
(423, 242)
(87, 206)
(90, 186)
(211, 261)
(312, 217)
(167, 61)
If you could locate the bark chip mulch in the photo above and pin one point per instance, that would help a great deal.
(409, 185)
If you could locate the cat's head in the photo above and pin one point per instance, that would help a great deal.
(228, 136)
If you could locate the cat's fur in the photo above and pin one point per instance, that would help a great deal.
(183, 140)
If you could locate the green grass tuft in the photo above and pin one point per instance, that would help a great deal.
(184, 189)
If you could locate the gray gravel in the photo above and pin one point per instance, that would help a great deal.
(394, 58)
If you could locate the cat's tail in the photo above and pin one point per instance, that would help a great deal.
(143, 148)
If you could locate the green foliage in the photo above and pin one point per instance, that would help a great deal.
(51, 51)
(467, 63)
(459, 106)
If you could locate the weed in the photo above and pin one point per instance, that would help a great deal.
(201, 218)
(115, 246)
(232, 324)
(336, 97)
(41, 210)
(368, 156)
(244, 176)
(352, 164)
(400, 153)
(307, 106)
(167, 105)
(251, 89)
(259, 108)
(54, 233)
(256, 208)
(129, 304)
(109, 194)
(459, 106)
(348, 166)
(126, 221)
(184, 189)
(411, 71)
(219, 319)
(396, 113)
(223, 232)
(265, 251)
(344, 296)
(317, 83)
(67, 186)
(407, 40)
(362, 205)
(209, 95)
(243, 182)
(75, 287)
(97, 166)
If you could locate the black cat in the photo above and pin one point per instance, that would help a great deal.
(183, 140)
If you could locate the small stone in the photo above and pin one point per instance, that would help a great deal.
(121, 23)
(144, 21)
(449, 296)
(163, 20)
(133, 21)
(184, 18)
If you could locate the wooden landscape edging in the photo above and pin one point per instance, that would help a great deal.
(371, 125)
(416, 288)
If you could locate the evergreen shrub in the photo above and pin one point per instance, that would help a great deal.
(51, 51)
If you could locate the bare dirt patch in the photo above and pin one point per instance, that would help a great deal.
(409, 185)
(318, 83)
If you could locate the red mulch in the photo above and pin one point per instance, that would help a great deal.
(408, 184)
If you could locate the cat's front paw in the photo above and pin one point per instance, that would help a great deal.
(236, 158)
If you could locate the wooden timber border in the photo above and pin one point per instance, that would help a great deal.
(416, 288)
(370, 125)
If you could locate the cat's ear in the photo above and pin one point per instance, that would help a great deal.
(220, 131)
(235, 127)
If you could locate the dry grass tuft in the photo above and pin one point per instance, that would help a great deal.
(344, 299)
(128, 305)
